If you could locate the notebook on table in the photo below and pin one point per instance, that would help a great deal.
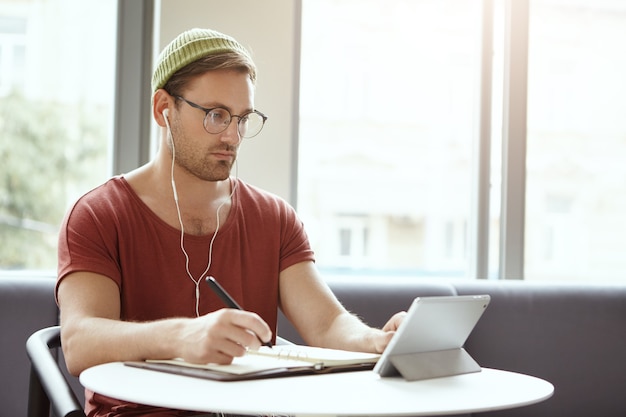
(268, 362)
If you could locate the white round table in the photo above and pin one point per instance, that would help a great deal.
(339, 394)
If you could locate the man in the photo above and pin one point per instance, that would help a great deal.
(134, 252)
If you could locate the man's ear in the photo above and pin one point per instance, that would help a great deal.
(160, 104)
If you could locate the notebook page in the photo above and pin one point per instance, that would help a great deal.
(316, 355)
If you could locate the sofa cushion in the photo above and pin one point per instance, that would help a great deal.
(571, 335)
(26, 305)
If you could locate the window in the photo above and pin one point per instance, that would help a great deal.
(57, 68)
(576, 178)
(390, 109)
(388, 98)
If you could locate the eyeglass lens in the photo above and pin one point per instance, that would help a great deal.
(217, 120)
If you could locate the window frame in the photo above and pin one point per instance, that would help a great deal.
(132, 109)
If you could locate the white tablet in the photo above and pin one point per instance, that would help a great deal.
(438, 328)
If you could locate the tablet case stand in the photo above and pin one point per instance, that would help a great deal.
(425, 365)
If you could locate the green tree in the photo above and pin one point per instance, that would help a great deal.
(49, 153)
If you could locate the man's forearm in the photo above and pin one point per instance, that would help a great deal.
(348, 332)
(91, 341)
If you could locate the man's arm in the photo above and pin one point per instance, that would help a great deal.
(321, 320)
(92, 332)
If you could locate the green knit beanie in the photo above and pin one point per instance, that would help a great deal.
(188, 47)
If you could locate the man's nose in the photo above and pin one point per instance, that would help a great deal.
(231, 134)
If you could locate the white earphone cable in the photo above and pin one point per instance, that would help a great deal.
(182, 227)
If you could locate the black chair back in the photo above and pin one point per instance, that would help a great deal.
(49, 390)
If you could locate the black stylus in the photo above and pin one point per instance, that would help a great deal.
(228, 300)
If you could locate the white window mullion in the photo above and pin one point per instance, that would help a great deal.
(479, 229)
(514, 140)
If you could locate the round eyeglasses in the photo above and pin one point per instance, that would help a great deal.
(217, 119)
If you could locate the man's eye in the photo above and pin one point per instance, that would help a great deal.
(218, 117)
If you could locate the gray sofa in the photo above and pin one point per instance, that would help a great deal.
(572, 335)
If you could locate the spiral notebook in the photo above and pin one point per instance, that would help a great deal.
(269, 362)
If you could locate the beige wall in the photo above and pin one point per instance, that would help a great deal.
(270, 30)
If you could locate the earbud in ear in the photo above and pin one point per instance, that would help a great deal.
(166, 112)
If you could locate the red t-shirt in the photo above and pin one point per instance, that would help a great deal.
(110, 231)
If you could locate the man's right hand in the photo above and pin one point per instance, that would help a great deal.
(220, 336)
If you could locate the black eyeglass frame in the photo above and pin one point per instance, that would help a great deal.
(230, 115)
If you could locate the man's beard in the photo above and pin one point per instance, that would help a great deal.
(203, 166)
(206, 170)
